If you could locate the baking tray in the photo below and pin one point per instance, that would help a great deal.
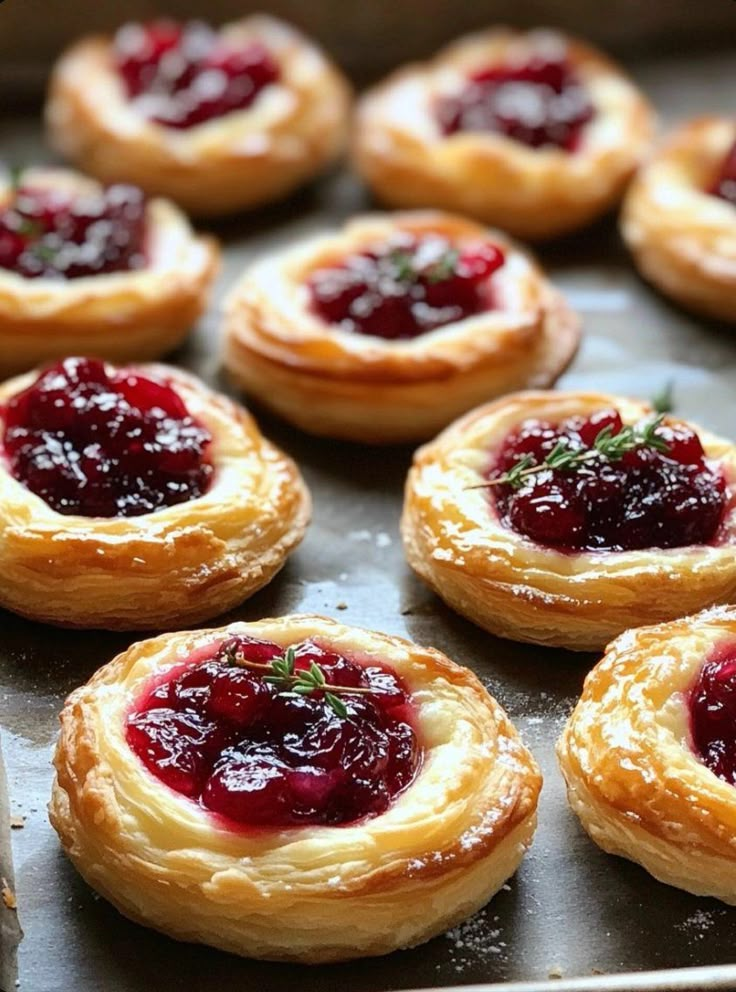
(10, 932)
(571, 910)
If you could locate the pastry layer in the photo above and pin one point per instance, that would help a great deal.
(516, 588)
(173, 567)
(358, 387)
(632, 778)
(435, 857)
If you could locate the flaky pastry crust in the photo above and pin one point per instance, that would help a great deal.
(362, 388)
(123, 316)
(176, 566)
(632, 777)
(293, 130)
(513, 587)
(402, 154)
(683, 239)
(311, 894)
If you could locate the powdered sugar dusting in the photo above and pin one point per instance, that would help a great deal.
(537, 709)
(479, 938)
(697, 925)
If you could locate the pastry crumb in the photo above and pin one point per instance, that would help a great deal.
(341, 606)
(555, 972)
(17, 822)
(8, 895)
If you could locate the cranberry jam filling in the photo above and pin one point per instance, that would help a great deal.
(713, 714)
(185, 74)
(61, 235)
(725, 183)
(104, 443)
(253, 749)
(660, 493)
(406, 287)
(539, 103)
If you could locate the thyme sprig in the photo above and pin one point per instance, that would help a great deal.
(566, 458)
(281, 672)
(663, 400)
(43, 252)
(15, 174)
(402, 262)
(437, 271)
(28, 227)
(443, 268)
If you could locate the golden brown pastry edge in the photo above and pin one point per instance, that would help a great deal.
(495, 179)
(174, 567)
(230, 169)
(373, 391)
(636, 787)
(516, 589)
(389, 905)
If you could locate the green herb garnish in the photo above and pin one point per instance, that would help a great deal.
(566, 458)
(439, 270)
(15, 174)
(30, 228)
(443, 268)
(44, 253)
(402, 262)
(663, 400)
(280, 672)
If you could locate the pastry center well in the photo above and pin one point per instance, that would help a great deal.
(58, 234)
(595, 484)
(407, 286)
(100, 442)
(713, 713)
(185, 74)
(266, 737)
(540, 103)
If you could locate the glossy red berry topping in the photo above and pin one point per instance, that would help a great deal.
(539, 103)
(663, 494)
(713, 714)
(725, 184)
(185, 74)
(261, 754)
(56, 234)
(99, 442)
(406, 287)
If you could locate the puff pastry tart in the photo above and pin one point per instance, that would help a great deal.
(533, 132)
(218, 120)
(85, 268)
(385, 331)
(679, 217)
(649, 753)
(135, 498)
(292, 789)
(566, 518)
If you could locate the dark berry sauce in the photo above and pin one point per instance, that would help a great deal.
(646, 499)
(725, 183)
(185, 74)
(261, 755)
(100, 442)
(713, 713)
(61, 235)
(540, 103)
(406, 287)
